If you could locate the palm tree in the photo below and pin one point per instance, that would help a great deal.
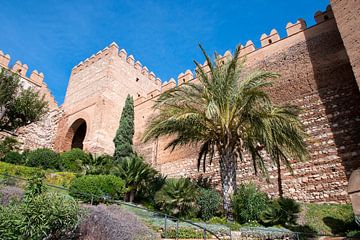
(134, 171)
(229, 113)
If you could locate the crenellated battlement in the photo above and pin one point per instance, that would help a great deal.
(21, 69)
(113, 51)
(265, 40)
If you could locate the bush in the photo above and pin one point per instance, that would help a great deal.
(60, 178)
(40, 215)
(178, 198)
(282, 211)
(17, 170)
(135, 172)
(209, 202)
(7, 145)
(73, 160)
(248, 203)
(43, 157)
(97, 188)
(14, 158)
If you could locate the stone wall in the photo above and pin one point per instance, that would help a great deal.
(317, 76)
(40, 134)
(347, 15)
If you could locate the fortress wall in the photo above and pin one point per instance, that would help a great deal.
(41, 133)
(315, 75)
(347, 15)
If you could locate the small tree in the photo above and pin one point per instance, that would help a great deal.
(18, 106)
(124, 135)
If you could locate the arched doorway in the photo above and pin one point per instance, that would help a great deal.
(79, 136)
(76, 135)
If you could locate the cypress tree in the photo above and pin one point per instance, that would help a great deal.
(124, 135)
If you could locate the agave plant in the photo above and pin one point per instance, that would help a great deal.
(134, 171)
(228, 112)
(178, 197)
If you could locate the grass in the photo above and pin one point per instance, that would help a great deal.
(329, 219)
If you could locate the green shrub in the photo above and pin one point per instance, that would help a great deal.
(135, 172)
(282, 211)
(7, 145)
(41, 215)
(209, 202)
(18, 170)
(56, 178)
(248, 203)
(14, 158)
(60, 178)
(73, 160)
(97, 188)
(178, 198)
(46, 214)
(95, 165)
(43, 157)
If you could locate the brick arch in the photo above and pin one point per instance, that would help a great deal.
(76, 134)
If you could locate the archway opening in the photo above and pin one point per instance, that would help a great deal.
(75, 135)
(79, 136)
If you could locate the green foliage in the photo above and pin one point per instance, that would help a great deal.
(14, 158)
(40, 215)
(7, 145)
(101, 164)
(124, 134)
(35, 186)
(49, 215)
(185, 233)
(209, 202)
(59, 178)
(229, 111)
(330, 218)
(135, 173)
(19, 106)
(73, 160)
(97, 188)
(282, 211)
(44, 158)
(149, 188)
(55, 178)
(18, 170)
(248, 203)
(217, 220)
(178, 198)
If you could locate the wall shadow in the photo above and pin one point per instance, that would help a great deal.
(338, 92)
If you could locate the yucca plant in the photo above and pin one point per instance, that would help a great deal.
(178, 198)
(229, 113)
(134, 171)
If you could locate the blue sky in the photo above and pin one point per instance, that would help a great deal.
(53, 36)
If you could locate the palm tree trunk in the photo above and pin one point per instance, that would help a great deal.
(281, 193)
(132, 196)
(228, 180)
